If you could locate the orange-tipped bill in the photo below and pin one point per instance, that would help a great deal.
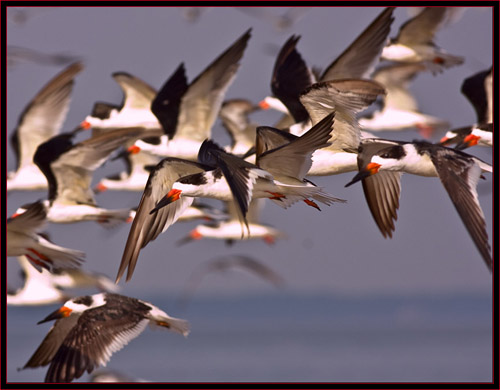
(85, 125)
(171, 197)
(370, 169)
(56, 315)
(264, 105)
(446, 141)
(468, 141)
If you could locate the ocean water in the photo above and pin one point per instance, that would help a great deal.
(295, 338)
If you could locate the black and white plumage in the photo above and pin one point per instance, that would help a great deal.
(146, 226)
(291, 75)
(24, 238)
(399, 109)
(478, 89)
(234, 116)
(42, 119)
(289, 159)
(459, 173)
(231, 229)
(415, 40)
(187, 112)
(69, 168)
(44, 288)
(135, 110)
(89, 329)
(172, 186)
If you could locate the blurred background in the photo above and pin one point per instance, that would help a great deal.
(354, 307)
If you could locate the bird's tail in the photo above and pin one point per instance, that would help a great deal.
(171, 323)
(295, 193)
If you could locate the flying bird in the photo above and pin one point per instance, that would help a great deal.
(459, 173)
(41, 120)
(415, 40)
(24, 237)
(90, 328)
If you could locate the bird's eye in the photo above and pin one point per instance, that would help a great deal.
(385, 155)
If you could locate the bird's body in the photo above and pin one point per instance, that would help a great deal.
(42, 119)
(415, 40)
(89, 329)
(459, 173)
(188, 112)
(44, 288)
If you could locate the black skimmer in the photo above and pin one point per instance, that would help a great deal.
(228, 263)
(478, 89)
(188, 112)
(161, 204)
(291, 76)
(174, 182)
(415, 40)
(90, 328)
(37, 288)
(459, 173)
(135, 111)
(24, 238)
(234, 116)
(348, 97)
(136, 175)
(69, 167)
(45, 288)
(290, 162)
(230, 230)
(41, 119)
(399, 108)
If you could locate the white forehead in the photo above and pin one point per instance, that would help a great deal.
(97, 300)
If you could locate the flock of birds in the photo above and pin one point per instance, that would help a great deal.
(165, 138)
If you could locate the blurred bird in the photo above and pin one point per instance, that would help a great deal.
(135, 110)
(234, 115)
(399, 109)
(415, 40)
(18, 54)
(459, 173)
(224, 264)
(44, 288)
(41, 120)
(89, 329)
(24, 238)
(231, 230)
(106, 375)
